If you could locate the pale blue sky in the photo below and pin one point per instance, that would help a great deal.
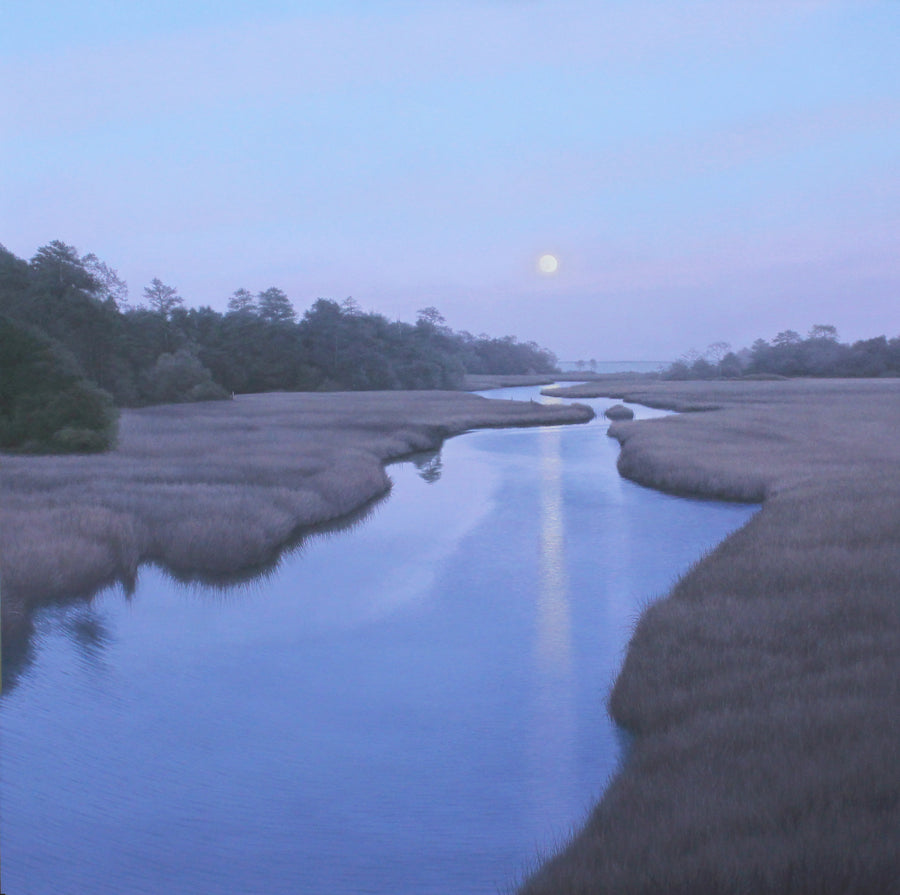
(703, 170)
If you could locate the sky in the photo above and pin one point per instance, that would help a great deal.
(703, 170)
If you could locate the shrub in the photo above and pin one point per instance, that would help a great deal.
(79, 440)
(46, 406)
(179, 377)
(619, 412)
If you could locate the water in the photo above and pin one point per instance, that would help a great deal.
(415, 705)
(617, 366)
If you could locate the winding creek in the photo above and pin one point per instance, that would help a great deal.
(411, 705)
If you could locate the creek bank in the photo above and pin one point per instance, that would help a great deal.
(764, 691)
(211, 489)
(480, 382)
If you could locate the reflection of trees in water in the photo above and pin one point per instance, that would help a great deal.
(88, 632)
(429, 465)
(18, 654)
(80, 624)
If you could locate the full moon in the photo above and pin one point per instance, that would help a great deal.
(548, 264)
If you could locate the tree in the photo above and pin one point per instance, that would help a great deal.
(787, 337)
(275, 307)
(730, 366)
(717, 350)
(180, 377)
(241, 300)
(162, 299)
(677, 370)
(819, 354)
(161, 350)
(110, 286)
(45, 403)
(59, 267)
(823, 331)
(701, 368)
(430, 316)
(320, 334)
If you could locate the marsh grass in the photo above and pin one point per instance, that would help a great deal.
(764, 691)
(479, 382)
(215, 489)
(619, 412)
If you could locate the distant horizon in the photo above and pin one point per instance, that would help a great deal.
(639, 179)
(617, 361)
(136, 300)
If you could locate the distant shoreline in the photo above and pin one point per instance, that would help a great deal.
(764, 690)
(213, 489)
(476, 382)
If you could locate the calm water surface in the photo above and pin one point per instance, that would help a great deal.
(415, 705)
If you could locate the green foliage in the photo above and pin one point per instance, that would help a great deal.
(354, 350)
(180, 377)
(166, 351)
(274, 306)
(505, 356)
(162, 299)
(821, 354)
(789, 354)
(45, 405)
(59, 268)
(242, 300)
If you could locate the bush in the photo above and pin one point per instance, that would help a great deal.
(619, 412)
(79, 441)
(179, 377)
(46, 406)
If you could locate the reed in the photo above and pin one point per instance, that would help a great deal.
(764, 690)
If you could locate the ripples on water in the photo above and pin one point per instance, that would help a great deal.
(414, 705)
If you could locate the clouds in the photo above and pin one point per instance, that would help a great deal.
(396, 150)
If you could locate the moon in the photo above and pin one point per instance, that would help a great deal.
(548, 264)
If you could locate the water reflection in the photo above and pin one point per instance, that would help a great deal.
(412, 708)
(554, 647)
(89, 633)
(428, 464)
(84, 628)
(554, 730)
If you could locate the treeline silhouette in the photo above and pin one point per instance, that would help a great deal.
(790, 354)
(68, 316)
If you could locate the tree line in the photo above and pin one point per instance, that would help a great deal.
(69, 315)
(820, 354)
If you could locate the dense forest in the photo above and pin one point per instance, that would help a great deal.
(790, 354)
(72, 348)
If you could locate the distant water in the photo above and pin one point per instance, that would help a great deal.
(617, 366)
(411, 706)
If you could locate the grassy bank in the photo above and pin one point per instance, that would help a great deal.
(481, 382)
(211, 489)
(764, 691)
